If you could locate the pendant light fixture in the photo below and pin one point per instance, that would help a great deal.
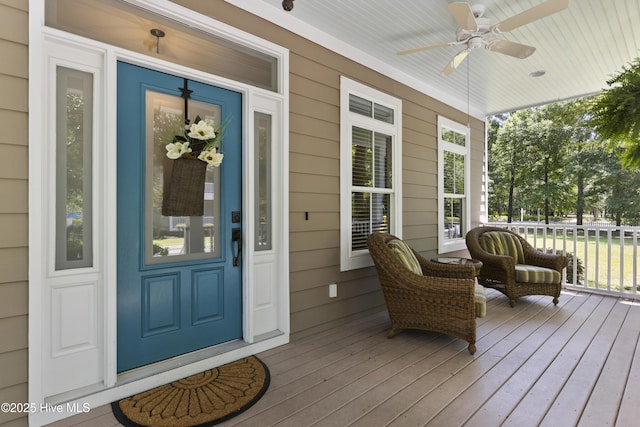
(158, 34)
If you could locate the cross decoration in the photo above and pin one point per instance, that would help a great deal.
(186, 94)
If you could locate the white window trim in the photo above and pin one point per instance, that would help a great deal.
(451, 245)
(350, 260)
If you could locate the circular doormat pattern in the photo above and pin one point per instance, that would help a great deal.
(204, 399)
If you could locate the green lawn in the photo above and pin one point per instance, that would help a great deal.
(169, 241)
(601, 264)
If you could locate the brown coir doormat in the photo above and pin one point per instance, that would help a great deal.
(204, 399)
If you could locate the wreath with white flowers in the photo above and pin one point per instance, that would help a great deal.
(200, 141)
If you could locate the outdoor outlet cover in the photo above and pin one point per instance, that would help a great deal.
(333, 290)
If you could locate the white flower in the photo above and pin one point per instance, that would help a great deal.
(177, 149)
(212, 157)
(202, 130)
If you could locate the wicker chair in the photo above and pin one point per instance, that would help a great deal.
(512, 266)
(441, 299)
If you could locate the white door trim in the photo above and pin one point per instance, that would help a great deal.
(112, 386)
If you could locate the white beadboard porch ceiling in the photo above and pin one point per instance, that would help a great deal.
(579, 48)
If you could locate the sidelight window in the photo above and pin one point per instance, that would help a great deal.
(74, 139)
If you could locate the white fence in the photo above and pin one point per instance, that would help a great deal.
(175, 221)
(603, 258)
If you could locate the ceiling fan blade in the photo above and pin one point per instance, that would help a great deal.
(455, 62)
(463, 15)
(510, 48)
(420, 49)
(540, 11)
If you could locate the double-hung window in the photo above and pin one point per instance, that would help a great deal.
(370, 169)
(453, 185)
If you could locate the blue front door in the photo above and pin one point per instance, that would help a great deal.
(179, 282)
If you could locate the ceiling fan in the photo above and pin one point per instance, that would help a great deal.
(476, 31)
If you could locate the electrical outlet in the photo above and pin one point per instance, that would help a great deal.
(333, 290)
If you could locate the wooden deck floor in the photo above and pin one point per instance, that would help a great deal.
(536, 364)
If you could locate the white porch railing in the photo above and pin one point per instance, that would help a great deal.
(602, 258)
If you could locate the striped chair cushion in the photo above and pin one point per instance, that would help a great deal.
(502, 243)
(533, 274)
(405, 255)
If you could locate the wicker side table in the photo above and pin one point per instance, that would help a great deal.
(477, 264)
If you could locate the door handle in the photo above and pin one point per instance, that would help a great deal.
(236, 237)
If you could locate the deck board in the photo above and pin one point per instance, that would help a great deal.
(572, 400)
(577, 363)
(608, 390)
(532, 407)
(457, 399)
(629, 413)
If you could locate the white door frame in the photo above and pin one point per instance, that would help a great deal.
(261, 269)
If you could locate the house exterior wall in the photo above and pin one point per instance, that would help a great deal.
(314, 161)
(314, 183)
(14, 205)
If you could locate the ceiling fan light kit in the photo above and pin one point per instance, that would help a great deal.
(475, 31)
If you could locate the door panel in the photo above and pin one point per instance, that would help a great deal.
(160, 304)
(178, 290)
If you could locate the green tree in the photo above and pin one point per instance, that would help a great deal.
(617, 113)
(585, 154)
(587, 164)
(74, 152)
(508, 156)
(621, 189)
(496, 187)
(551, 157)
(544, 157)
(547, 141)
